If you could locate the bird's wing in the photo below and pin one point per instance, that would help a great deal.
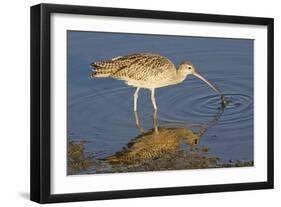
(119, 62)
(142, 66)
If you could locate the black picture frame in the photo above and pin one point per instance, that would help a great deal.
(41, 99)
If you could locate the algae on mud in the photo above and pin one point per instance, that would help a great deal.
(81, 162)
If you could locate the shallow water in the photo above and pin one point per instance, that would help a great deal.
(100, 111)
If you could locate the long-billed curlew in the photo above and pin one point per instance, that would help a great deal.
(146, 70)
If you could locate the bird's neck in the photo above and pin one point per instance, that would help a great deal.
(180, 76)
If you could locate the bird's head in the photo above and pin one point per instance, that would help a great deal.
(187, 68)
(188, 136)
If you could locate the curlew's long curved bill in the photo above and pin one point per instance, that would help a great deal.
(208, 82)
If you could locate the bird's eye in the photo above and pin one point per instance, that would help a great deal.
(189, 68)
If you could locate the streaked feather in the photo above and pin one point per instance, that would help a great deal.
(136, 67)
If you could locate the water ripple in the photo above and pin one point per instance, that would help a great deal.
(203, 107)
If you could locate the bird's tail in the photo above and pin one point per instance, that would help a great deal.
(102, 69)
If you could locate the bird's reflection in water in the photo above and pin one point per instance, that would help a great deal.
(159, 141)
(160, 148)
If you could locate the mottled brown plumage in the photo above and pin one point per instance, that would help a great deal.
(145, 70)
(151, 145)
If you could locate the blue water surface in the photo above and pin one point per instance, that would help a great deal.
(101, 110)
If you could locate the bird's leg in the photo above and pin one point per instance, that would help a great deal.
(138, 122)
(136, 99)
(155, 121)
(153, 99)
